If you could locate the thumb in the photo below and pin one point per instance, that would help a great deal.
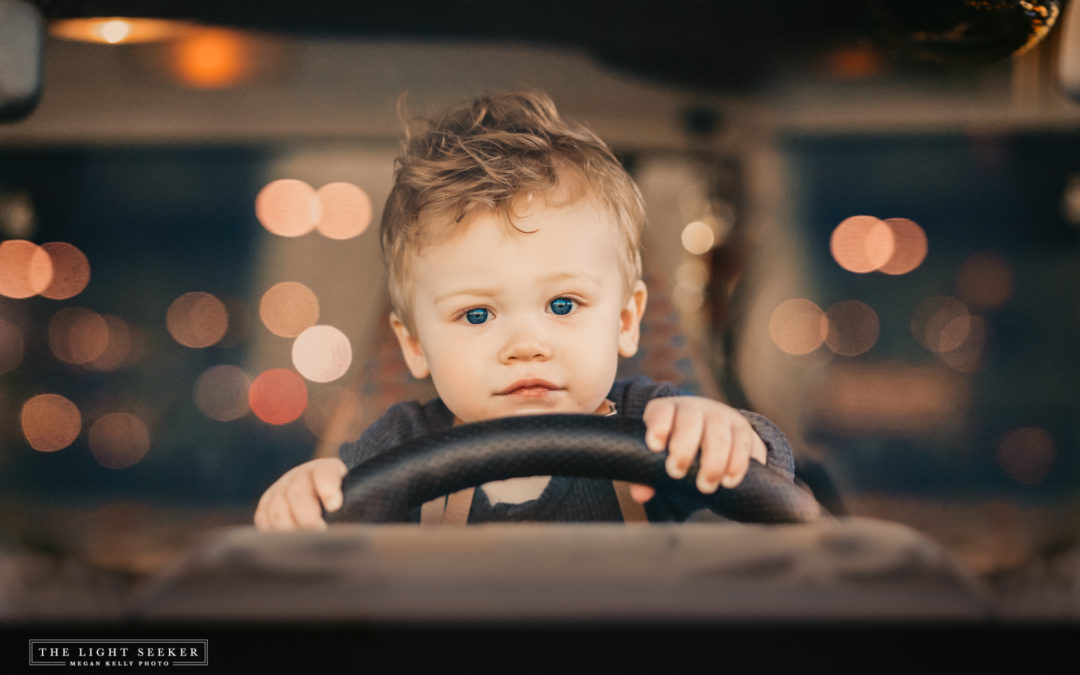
(328, 485)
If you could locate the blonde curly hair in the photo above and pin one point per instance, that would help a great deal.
(482, 156)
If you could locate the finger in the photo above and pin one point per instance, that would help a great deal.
(715, 454)
(261, 520)
(327, 478)
(641, 493)
(304, 504)
(759, 451)
(685, 440)
(741, 447)
(659, 415)
(279, 514)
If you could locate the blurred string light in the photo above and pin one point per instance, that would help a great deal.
(17, 215)
(798, 326)
(909, 246)
(118, 440)
(197, 319)
(12, 347)
(985, 280)
(322, 354)
(288, 207)
(853, 328)
(288, 308)
(691, 277)
(941, 323)
(698, 238)
(946, 326)
(291, 208)
(345, 212)
(221, 393)
(126, 345)
(26, 269)
(1027, 454)
(968, 357)
(71, 271)
(864, 244)
(78, 335)
(117, 30)
(335, 415)
(50, 422)
(213, 58)
(278, 396)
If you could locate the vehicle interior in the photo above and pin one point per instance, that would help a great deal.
(864, 221)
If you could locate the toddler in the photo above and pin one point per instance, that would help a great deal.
(513, 244)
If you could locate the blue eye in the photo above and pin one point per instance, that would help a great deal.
(477, 316)
(562, 305)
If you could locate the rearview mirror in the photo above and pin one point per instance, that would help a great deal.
(22, 56)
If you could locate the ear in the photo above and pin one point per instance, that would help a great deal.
(410, 348)
(630, 320)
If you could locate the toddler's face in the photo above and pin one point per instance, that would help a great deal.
(511, 323)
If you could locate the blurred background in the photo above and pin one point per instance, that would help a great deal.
(864, 223)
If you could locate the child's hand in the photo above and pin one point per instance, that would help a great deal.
(684, 424)
(295, 501)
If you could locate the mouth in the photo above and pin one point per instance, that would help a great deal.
(529, 388)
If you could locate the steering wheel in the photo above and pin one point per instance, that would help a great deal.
(387, 486)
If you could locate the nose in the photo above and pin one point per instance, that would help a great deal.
(525, 343)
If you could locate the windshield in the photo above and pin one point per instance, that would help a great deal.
(862, 228)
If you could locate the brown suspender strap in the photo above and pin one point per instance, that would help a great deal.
(633, 513)
(431, 512)
(452, 509)
(457, 507)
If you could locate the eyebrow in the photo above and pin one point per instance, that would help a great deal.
(492, 291)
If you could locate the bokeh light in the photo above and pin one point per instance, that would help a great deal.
(118, 440)
(346, 211)
(798, 326)
(71, 271)
(693, 273)
(335, 415)
(278, 396)
(862, 244)
(212, 58)
(125, 345)
(322, 353)
(1027, 454)
(985, 280)
(698, 237)
(12, 347)
(853, 328)
(114, 30)
(78, 335)
(221, 393)
(941, 323)
(909, 246)
(288, 207)
(25, 268)
(288, 308)
(969, 356)
(197, 319)
(50, 422)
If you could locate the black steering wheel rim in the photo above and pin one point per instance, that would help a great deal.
(387, 486)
